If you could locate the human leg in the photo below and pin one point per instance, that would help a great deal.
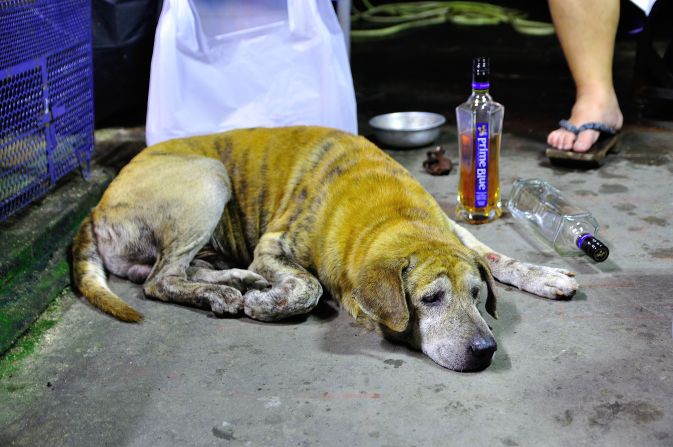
(587, 32)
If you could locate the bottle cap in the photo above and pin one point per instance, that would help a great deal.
(593, 247)
(480, 72)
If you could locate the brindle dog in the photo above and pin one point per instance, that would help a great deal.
(302, 208)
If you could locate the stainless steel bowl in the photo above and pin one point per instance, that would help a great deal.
(407, 129)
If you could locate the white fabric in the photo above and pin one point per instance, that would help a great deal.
(219, 65)
(645, 5)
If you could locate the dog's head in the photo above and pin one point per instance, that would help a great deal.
(426, 294)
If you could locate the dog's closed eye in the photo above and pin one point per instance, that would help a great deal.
(433, 299)
(475, 292)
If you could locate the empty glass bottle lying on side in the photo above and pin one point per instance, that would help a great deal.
(564, 225)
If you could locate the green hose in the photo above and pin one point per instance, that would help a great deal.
(394, 18)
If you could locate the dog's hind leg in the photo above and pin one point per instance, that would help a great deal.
(173, 280)
(182, 221)
(211, 267)
(171, 285)
(544, 281)
(241, 280)
(294, 290)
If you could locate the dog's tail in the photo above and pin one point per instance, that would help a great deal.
(89, 276)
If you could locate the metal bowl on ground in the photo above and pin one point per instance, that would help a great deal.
(407, 129)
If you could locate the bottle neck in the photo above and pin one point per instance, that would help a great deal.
(480, 91)
(480, 87)
(582, 238)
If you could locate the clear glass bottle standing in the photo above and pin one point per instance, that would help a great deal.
(479, 122)
(567, 227)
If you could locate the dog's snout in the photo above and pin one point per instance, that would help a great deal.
(483, 346)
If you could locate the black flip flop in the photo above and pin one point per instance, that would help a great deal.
(595, 156)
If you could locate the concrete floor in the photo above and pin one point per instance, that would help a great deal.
(597, 370)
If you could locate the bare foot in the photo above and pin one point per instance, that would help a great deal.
(602, 108)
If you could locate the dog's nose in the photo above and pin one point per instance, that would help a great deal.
(483, 346)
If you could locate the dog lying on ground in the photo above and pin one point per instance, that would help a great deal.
(302, 208)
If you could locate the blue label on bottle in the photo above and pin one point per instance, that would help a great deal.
(481, 144)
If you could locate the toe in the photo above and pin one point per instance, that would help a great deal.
(567, 141)
(585, 140)
(553, 138)
(561, 139)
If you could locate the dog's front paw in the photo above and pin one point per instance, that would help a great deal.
(549, 282)
(562, 284)
(228, 301)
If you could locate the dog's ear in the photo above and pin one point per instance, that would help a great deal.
(380, 294)
(486, 275)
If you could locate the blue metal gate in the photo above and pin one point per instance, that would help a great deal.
(46, 96)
